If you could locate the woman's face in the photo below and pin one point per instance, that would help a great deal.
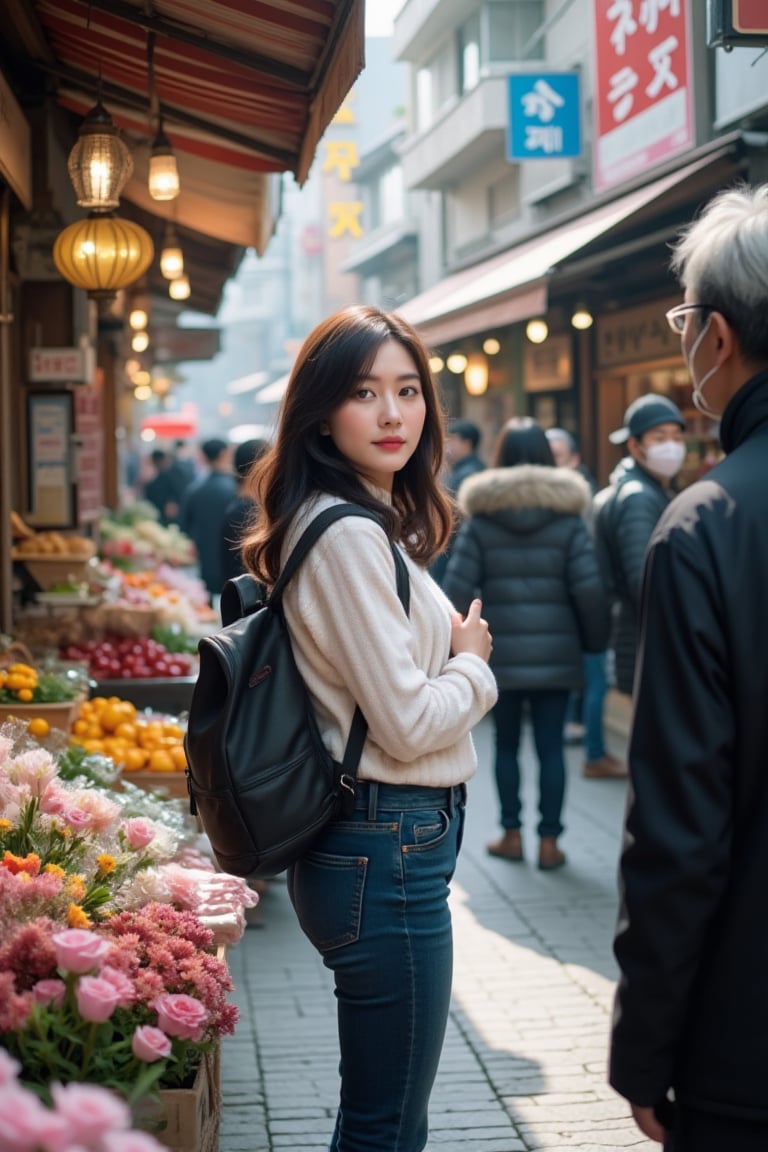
(379, 427)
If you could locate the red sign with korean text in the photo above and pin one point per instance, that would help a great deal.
(643, 76)
(750, 16)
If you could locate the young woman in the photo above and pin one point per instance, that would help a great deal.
(525, 546)
(361, 422)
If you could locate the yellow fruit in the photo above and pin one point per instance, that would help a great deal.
(80, 728)
(135, 759)
(179, 757)
(161, 761)
(25, 695)
(126, 731)
(38, 726)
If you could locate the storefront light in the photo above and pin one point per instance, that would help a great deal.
(163, 180)
(180, 288)
(456, 363)
(140, 341)
(537, 331)
(491, 346)
(171, 256)
(582, 318)
(142, 392)
(476, 374)
(138, 318)
(436, 364)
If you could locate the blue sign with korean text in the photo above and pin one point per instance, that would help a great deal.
(544, 116)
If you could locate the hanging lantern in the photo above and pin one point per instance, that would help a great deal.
(100, 163)
(476, 374)
(171, 257)
(163, 179)
(103, 254)
(180, 288)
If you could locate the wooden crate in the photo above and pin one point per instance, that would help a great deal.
(188, 1119)
(174, 783)
(60, 716)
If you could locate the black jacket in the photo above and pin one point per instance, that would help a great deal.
(692, 939)
(625, 515)
(525, 549)
(201, 518)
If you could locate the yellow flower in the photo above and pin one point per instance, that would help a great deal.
(76, 918)
(106, 863)
(5, 825)
(76, 887)
(55, 870)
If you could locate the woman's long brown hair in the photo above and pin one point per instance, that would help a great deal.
(302, 462)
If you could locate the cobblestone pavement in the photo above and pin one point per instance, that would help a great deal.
(524, 1063)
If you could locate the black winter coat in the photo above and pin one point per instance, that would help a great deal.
(526, 551)
(692, 939)
(625, 515)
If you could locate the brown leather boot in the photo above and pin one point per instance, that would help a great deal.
(550, 856)
(508, 847)
(606, 768)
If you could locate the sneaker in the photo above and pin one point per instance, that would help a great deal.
(606, 768)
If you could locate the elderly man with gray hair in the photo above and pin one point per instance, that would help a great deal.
(690, 1035)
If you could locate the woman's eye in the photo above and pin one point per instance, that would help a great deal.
(363, 393)
(409, 390)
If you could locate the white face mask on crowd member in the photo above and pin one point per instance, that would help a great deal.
(699, 401)
(665, 459)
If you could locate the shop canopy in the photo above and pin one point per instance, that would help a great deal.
(513, 286)
(245, 88)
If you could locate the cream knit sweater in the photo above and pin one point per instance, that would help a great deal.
(353, 643)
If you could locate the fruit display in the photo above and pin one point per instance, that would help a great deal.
(128, 658)
(23, 684)
(55, 545)
(137, 742)
(134, 536)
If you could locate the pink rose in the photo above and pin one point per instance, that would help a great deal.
(139, 832)
(96, 999)
(89, 1110)
(78, 950)
(9, 1068)
(180, 1015)
(130, 1142)
(150, 1044)
(122, 985)
(78, 819)
(49, 992)
(25, 1124)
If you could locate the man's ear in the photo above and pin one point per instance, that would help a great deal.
(634, 448)
(725, 340)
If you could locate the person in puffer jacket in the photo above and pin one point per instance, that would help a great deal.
(525, 549)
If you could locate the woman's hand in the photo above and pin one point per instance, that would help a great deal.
(470, 633)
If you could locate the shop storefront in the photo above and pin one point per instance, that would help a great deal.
(635, 353)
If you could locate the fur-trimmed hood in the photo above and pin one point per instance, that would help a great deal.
(525, 487)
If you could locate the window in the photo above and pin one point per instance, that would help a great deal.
(435, 85)
(468, 45)
(511, 24)
(391, 197)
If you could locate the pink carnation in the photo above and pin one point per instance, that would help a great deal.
(180, 1015)
(33, 769)
(78, 950)
(150, 1044)
(77, 818)
(55, 798)
(25, 1124)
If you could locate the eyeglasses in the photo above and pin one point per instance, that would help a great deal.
(676, 316)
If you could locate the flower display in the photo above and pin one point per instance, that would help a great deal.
(81, 1118)
(131, 1006)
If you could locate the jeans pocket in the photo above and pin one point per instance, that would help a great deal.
(425, 832)
(327, 894)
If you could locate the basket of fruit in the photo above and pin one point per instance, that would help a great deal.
(28, 694)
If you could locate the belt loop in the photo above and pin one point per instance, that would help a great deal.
(373, 796)
(451, 802)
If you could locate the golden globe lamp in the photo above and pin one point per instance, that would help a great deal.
(102, 254)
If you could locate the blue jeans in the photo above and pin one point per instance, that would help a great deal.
(548, 709)
(595, 688)
(372, 896)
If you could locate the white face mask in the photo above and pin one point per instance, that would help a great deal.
(698, 399)
(665, 459)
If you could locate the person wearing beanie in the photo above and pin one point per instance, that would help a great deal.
(625, 515)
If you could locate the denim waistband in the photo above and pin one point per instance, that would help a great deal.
(377, 797)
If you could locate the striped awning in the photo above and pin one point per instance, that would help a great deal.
(246, 89)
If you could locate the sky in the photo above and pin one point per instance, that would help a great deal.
(379, 15)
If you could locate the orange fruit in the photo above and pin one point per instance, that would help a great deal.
(179, 757)
(135, 759)
(38, 726)
(126, 731)
(161, 761)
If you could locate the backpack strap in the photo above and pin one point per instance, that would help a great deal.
(240, 596)
(359, 727)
